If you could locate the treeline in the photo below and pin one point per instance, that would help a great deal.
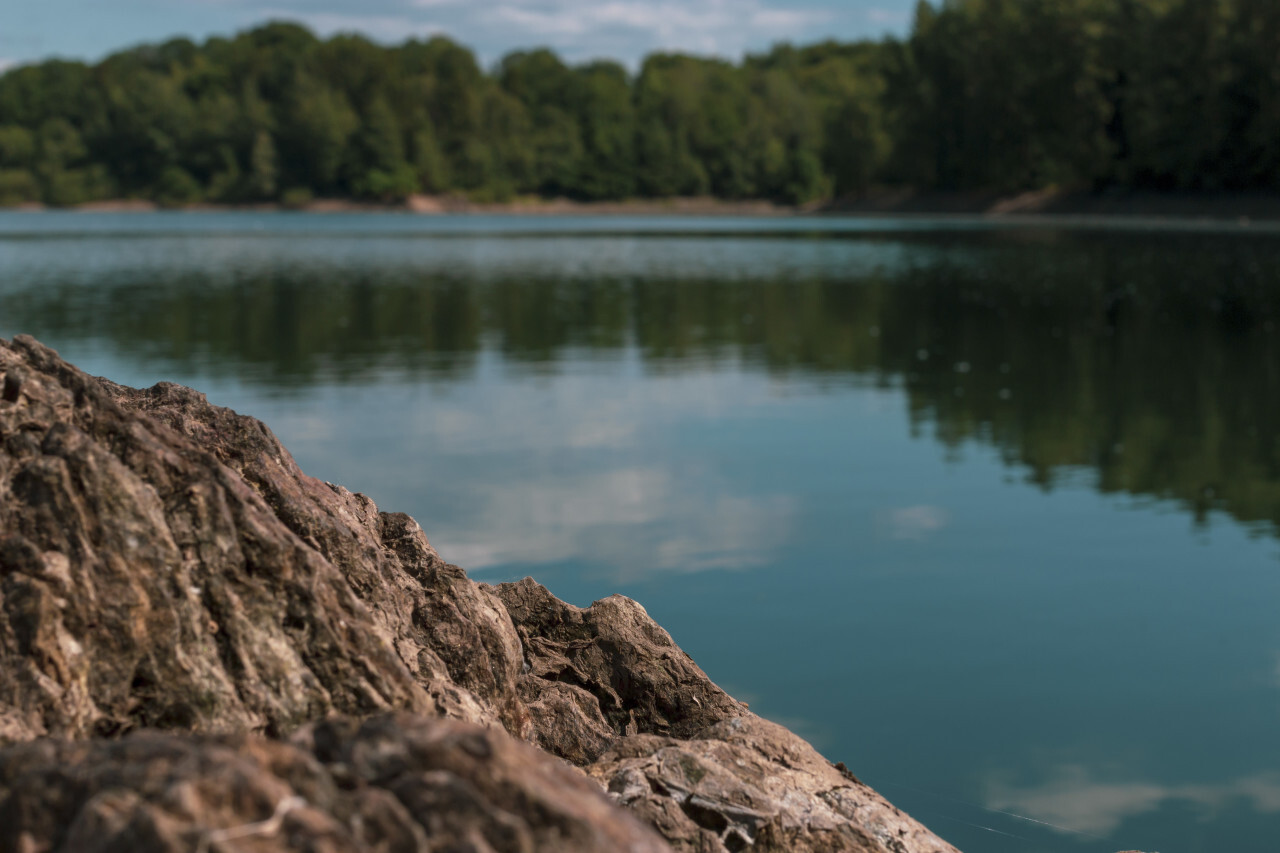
(983, 94)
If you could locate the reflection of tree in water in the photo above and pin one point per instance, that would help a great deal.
(1154, 366)
(1151, 360)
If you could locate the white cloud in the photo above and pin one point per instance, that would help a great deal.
(1074, 802)
(889, 17)
(787, 20)
(541, 22)
(668, 22)
(625, 30)
(384, 28)
(6, 64)
(717, 27)
(619, 29)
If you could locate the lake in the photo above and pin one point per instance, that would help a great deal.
(986, 510)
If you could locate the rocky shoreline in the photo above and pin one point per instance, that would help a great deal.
(202, 648)
(1240, 207)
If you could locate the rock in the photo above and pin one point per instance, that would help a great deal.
(747, 783)
(680, 752)
(392, 783)
(624, 674)
(165, 565)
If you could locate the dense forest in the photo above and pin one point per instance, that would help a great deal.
(1000, 95)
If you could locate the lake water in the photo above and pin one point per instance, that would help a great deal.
(987, 512)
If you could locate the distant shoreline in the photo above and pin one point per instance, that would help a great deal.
(440, 205)
(1247, 206)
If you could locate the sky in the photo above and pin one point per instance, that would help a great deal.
(579, 30)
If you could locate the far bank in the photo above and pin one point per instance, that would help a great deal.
(1217, 206)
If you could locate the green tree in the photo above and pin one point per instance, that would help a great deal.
(607, 121)
(1253, 96)
(17, 147)
(546, 89)
(60, 166)
(317, 128)
(381, 170)
(1002, 95)
(18, 186)
(177, 187)
(264, 170)
(429, 163)
(17, 154)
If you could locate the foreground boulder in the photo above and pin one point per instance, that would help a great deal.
(165, 565)
(393, 783)
(747, 783)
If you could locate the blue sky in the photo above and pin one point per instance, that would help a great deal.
(577, 29)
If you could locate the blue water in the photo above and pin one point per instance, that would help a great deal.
(986, 511)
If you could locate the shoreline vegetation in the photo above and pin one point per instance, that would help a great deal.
(1074, 100)
(1241, 207)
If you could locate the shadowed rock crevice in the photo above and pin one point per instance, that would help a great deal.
(271, 647)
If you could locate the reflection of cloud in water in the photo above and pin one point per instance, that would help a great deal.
(1076, 802)
(913, 522)
(625, 512)
(580, 468)
(632, 520)
(514, 420)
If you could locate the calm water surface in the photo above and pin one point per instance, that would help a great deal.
(987, 513)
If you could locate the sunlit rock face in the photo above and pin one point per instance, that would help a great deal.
(165, 565)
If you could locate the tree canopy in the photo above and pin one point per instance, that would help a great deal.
(1001, 95)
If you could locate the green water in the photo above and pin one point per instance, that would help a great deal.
(988, 513)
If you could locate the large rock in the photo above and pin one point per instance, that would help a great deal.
(394, 783)
(607, 670)
(164, 564)
(749, 784)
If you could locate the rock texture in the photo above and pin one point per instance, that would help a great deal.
(606, 670)
(393, 783)
(165, 565)
(748, 784)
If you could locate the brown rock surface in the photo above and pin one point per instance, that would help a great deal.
(609, 669)
(164, 564)
(394, 783)
(748, 783)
